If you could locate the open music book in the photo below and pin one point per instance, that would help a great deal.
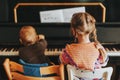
(59, 15)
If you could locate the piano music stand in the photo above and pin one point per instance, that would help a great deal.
(61, 4)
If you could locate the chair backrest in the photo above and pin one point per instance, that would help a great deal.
(16, 71)
(76, 74)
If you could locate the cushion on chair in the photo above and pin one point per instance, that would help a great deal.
(32, 69)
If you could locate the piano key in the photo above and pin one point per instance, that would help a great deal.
(106, 49)
(114, 49)
(1, 49)
(118, 49)
(53, 52)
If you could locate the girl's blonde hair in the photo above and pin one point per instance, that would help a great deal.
(84, 23)
(28, 35)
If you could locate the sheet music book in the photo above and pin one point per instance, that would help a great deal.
(59, 15)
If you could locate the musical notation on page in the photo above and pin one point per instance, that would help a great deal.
(59, 15)
(51, 16)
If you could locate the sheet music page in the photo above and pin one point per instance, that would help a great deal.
(51, 16)
(67, 13)
(59, 15)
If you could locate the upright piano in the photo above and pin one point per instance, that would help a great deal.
(57, 36)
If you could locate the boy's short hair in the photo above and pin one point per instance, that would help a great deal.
(28, 35)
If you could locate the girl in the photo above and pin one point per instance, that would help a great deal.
(87, 53)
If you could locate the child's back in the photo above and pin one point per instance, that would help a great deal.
(85, 53)
(34, 46)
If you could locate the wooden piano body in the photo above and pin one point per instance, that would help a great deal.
(58, 35)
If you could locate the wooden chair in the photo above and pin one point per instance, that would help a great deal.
(14, 71)
(76, 74)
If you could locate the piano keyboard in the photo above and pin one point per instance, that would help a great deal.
(113, 51)
(14, 52)
(52, 52)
